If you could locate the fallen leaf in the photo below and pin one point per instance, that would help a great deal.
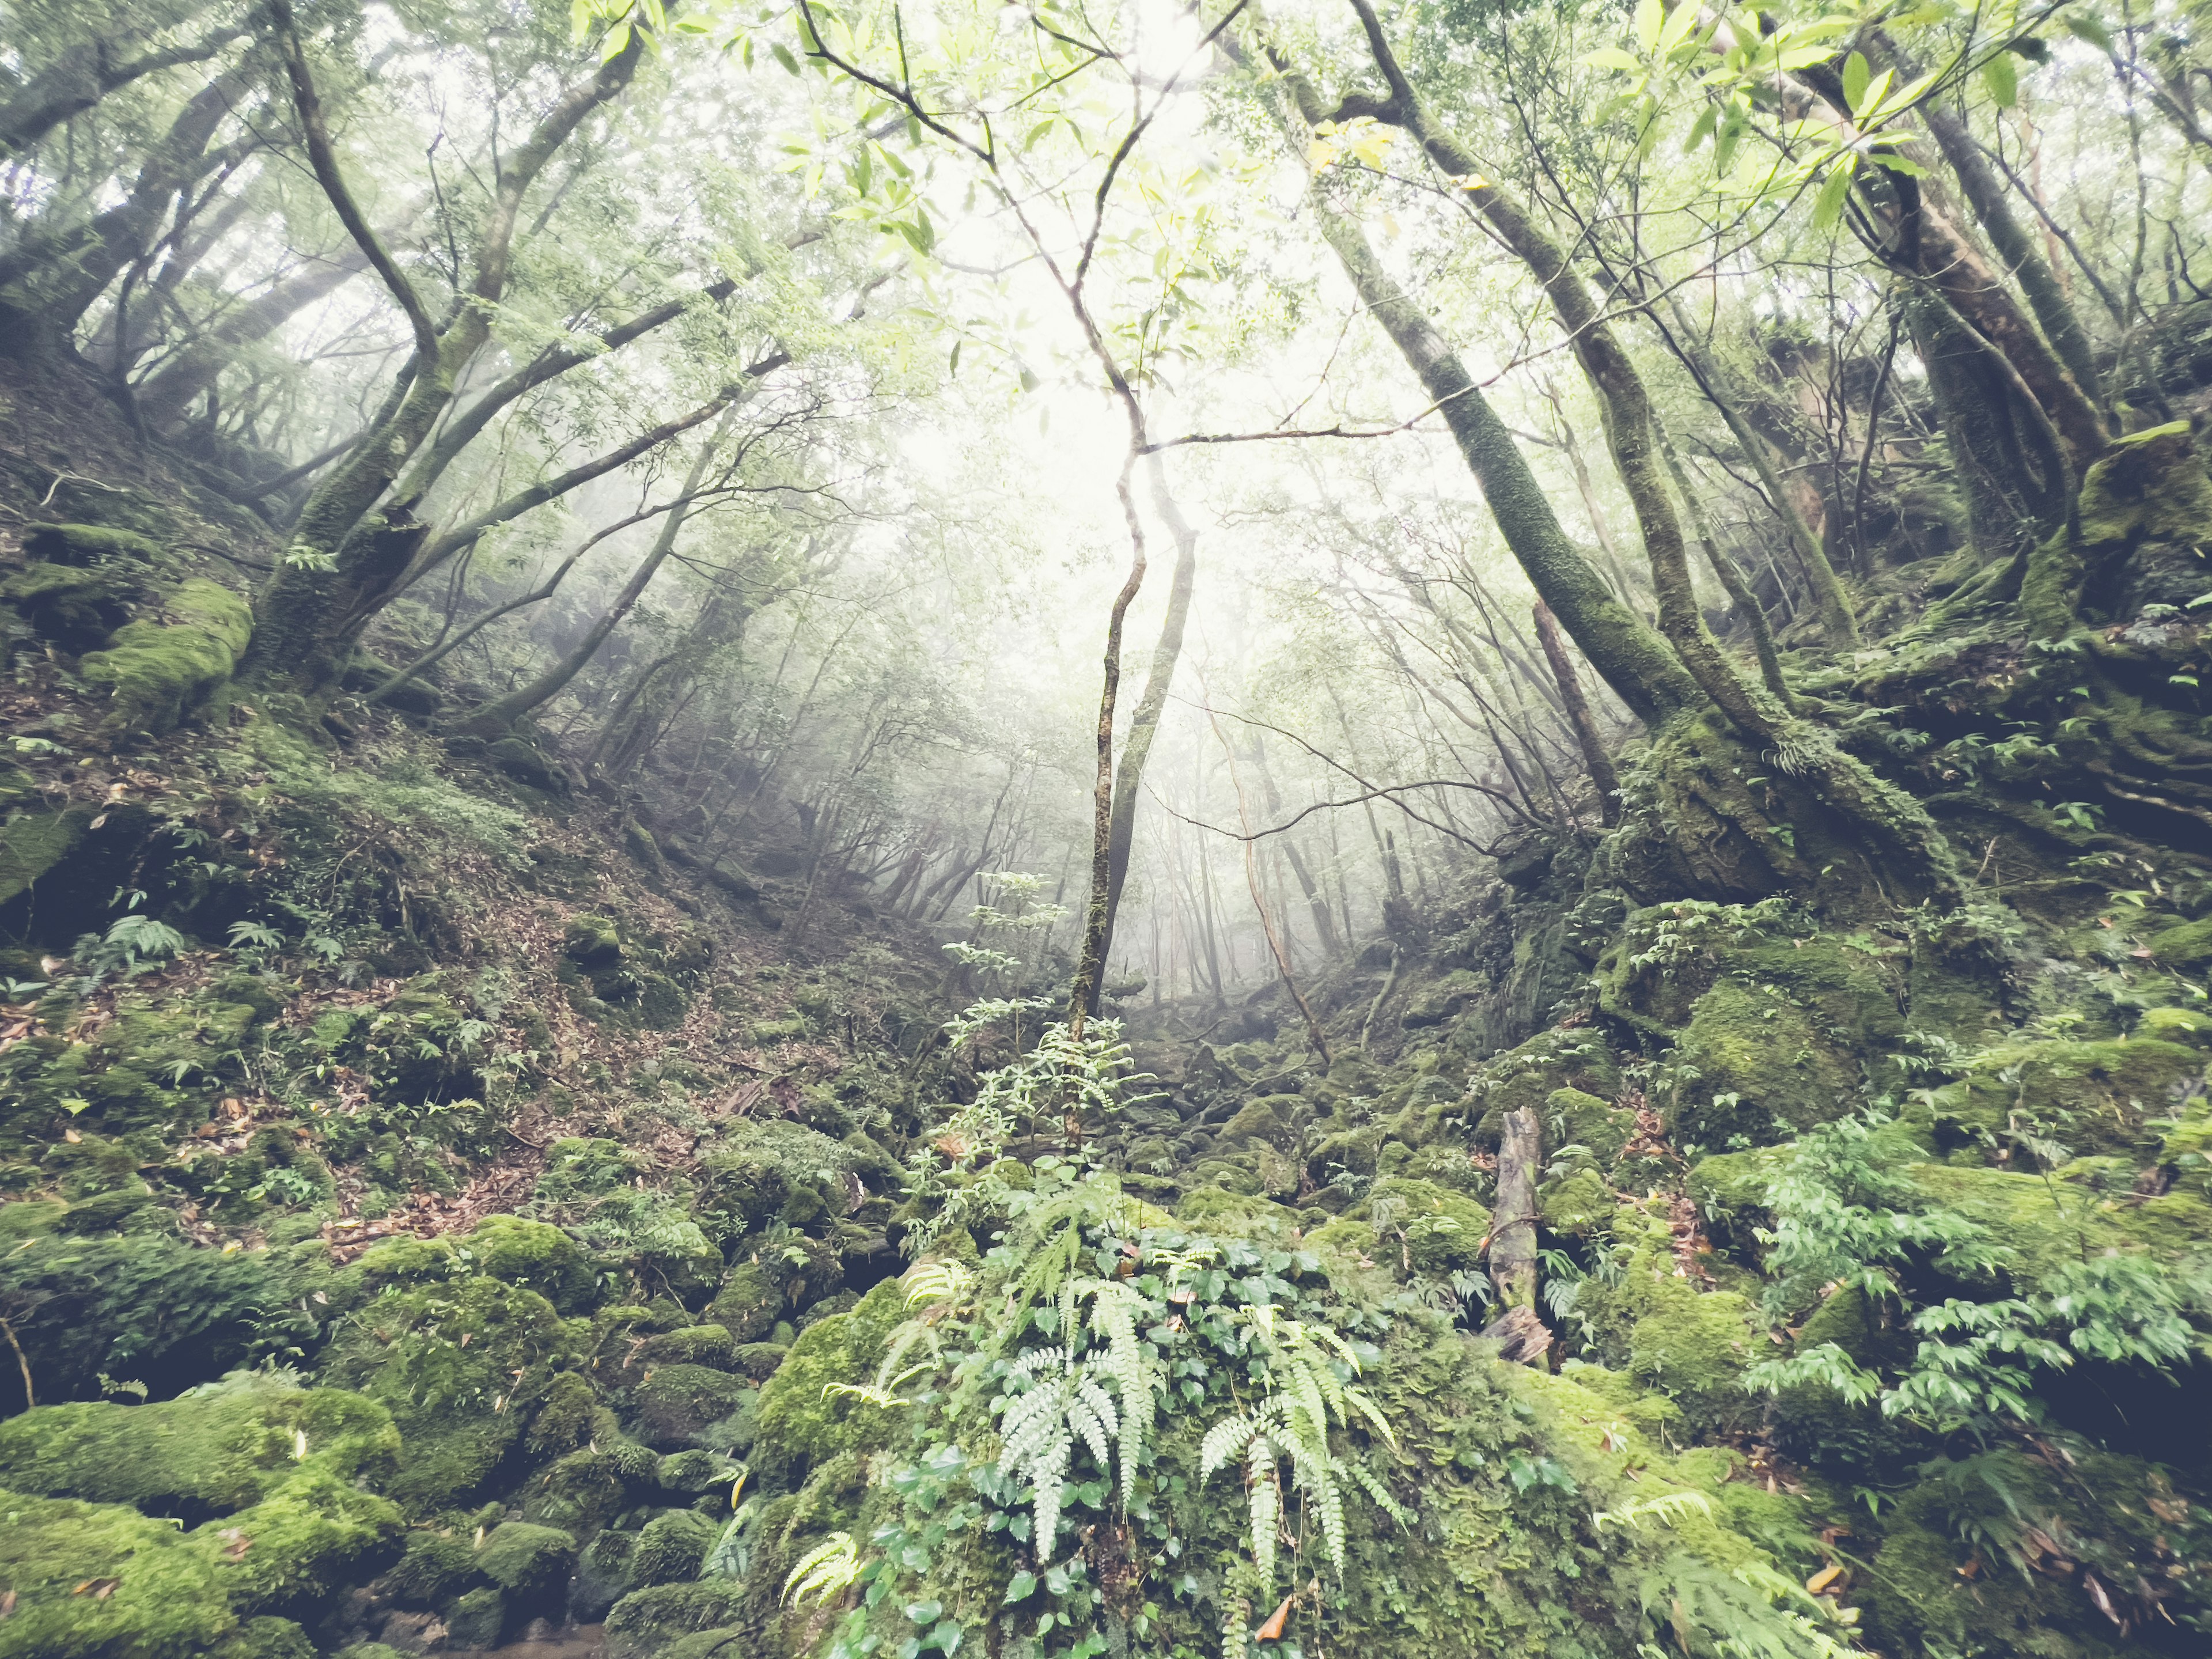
(1822, 1579)
(1272, 1630)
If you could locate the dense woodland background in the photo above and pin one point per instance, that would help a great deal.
(1069, 830)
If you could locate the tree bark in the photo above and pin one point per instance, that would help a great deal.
(1513, 1225)
(1144, 724)
(1636, 662)
(496, 717)
(1578, 716)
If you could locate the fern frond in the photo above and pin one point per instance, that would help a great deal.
(827, 1570)
(937, 1281)
(1366, 1481)
(1266, 1505)
(1667, 1508)
(1046, 1473)
(1223, 1442)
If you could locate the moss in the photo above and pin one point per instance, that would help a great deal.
(646, 1621)
(775, 1169)
(695, 1344)
(166, 1602)
(563, 1420)
(530, 1564)
(1753, 1066)
(265, 1638)
(603, 1576)
(579, 1494)
(1441, 1232)
(591, 941)
(2045, 1225)
(749, 1303)
(795, 1418)
(537, 1256)
(433, 1566)
(89, 545)
(693, 1471)
(157, 673)
(1434, 1004)
(2187, 946)
(74, 608)
(1578, 1118)
(671, 1548)
(477, 1618)
(224, 1450)
(1271, 1119)
(676, 1403)
(1690, 1343)
(2094, 1094)
(1579, 1204)
(456, 1363)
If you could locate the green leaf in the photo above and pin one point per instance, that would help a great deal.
(2091, 29)
(1021, 1586)
(2001, 76)
(617, 42)
(1679, 25)
(1828, 205)
(922, 1612)
(1708, 118)
(783, 57)
(1871, 95)
(1857, 74)
(1650, 15)
(948, 1635)
(953, 366)
(1613, 57)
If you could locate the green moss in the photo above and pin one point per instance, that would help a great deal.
(1753, 1066)
(645, 1622)
(530, 1563)
(1441, 1232)
(695, 1344)
(89, 544)
(2187, 946)
(795, 1418)
(460, 1404)
(166, 1601)
(535, 1255)
(591, 941)
(1579, 1204)
(749, 1303)
(2094, 1094)
(671, 1546)
(265, 1638)
(2045, 1225)
(157, 673)
(772, 1169)
(1665, 1331)
(477, 1618)
(1271, 1119)
(580, 1493)
(675, 1404)
(433, 1566)
(222, 1450)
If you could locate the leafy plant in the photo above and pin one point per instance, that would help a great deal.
(827, 1570)
(1304, 1395)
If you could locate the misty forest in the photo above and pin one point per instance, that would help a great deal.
(1105, 829)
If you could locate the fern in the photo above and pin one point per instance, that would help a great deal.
(827, 1570)
(1304, 1397)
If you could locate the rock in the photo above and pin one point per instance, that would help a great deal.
(530, 1564)
(89, 545)
(157, 673)
(476, 1618)
(72, 608)
(675, 1403)
(671, 1548)
(591, 941)
(520, 761)
(646, 1621)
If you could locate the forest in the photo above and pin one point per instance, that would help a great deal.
(1169, 829)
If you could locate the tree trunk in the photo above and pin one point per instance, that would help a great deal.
(1632, 659)
(494, 718)
(1513, 1225)
(1144, 724)
(1606, 780)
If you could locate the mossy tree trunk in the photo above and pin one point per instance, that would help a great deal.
(345, 560)
(1636, 662)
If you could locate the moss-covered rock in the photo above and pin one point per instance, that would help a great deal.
(796, 1419)
(476, 1618)
(671, 1546)
(675, 1404)
(74, 608)
(162, 1598)
(157, 673)
(457, 1364)
(749, 1303)
(645, 1623)
(530, 1564)
(1442, 1232)
(533, 1254)
(434, 1568)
